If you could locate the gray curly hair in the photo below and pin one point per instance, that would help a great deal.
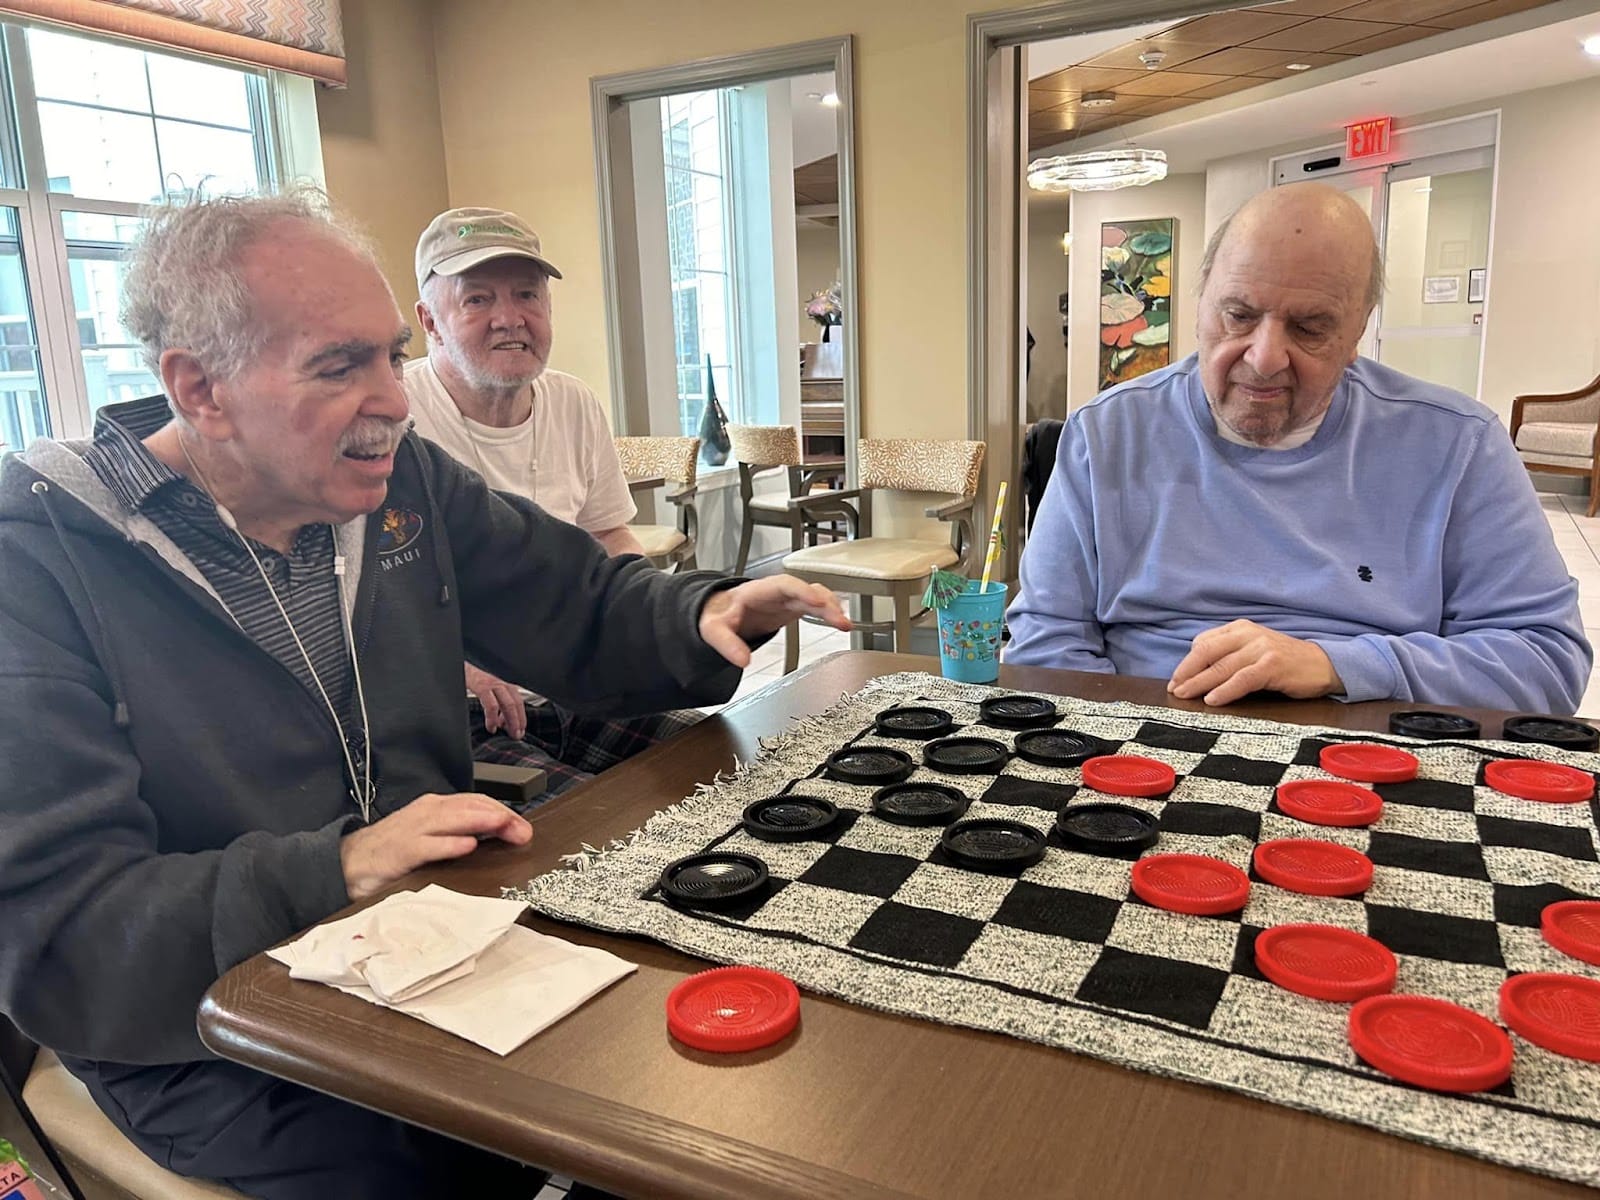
(184, 289)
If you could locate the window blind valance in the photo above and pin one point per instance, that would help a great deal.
(303, 37)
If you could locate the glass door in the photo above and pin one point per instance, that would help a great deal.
(1436, 254)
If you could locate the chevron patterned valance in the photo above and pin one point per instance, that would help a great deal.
(300, 36)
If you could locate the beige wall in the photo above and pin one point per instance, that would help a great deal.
(1048, 218)
(514, 87)
(381, 143)
(1180, 196)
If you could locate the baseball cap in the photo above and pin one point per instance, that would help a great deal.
(460, 239)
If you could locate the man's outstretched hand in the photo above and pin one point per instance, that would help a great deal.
(430, 829)
(763, 606)
(1231, 661)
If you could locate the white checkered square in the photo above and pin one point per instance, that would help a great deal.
(1448, 763)
(1547, 1079)
(1435, 824)
(1509, 864)
(1526, 950)
(1041, 819)
(970, 786)
(1181, 761)
(1263, 748)
(1466, 984)
(1145, 929)
(1489, 803)
(1276, 825)
(1220, 791)
(1271, 906)
(1234, 850)
(882, 837)
(1023, 769)
(952, 890)
(785, 860)
(1427, 892)
(1257, 1013)
(825, 914)
(1053, 965)
(1089, 873)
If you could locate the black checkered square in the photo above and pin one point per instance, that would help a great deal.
(1175, 737)
(917, 934)
(860, 871)
(1030, 793)
(1435, 935)
(1422, 854)
(1575, 842)
(1428, 793)
(1238, 769)
(1182, 992)
(1058, 912)
(1210, 820)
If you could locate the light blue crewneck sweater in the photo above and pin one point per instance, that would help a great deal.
(1404, 538)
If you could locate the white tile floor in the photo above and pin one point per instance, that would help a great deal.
(1578, 539)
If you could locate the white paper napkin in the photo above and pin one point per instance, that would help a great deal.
(458, 962)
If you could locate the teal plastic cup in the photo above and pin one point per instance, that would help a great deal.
(969, 633)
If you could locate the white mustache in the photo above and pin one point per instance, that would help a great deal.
(373, 435)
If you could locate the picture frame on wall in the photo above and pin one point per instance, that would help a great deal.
(1477, 282)
(1137, 285)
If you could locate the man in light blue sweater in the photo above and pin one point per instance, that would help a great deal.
(1275, 513)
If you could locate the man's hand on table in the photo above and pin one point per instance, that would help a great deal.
(760, 607)
(502, 702)
(431, 828)
(1231, 661)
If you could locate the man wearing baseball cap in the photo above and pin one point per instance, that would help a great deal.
(485, 393)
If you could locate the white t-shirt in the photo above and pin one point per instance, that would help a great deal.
(562, 457)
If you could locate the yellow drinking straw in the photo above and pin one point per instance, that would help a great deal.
(994, 538)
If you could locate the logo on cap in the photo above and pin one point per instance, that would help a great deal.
(491, 227)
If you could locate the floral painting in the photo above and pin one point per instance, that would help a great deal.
(1136, 286)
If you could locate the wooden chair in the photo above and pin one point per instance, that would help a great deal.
(674, 460)
(67, 1124)
(1560, 434)
(759, 448)
(899, 568)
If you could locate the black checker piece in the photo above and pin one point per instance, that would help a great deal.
(1552, 731)
(993, 844)
(1018, 712)
(1112, 830)
(1574, 842)
(789, 818)
(1185, 993)
(864, 872)
(1031, 793)
(916, 934)
(1438, 726)
(1435, 935)
(914, 721)
(966, 756)
(919, 804)
(869, 764)
(718, 880)
(1059, 747)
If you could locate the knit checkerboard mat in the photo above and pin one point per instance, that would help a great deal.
(1067, 956)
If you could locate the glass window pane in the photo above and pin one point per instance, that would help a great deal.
(199, 91)
(76, 68)
(113, 369)
(217, 161)
(23, 412)
(104, 155)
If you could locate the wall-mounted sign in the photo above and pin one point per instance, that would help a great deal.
(1367, 138)
(1441, 289)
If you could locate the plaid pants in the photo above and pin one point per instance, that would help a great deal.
(570, 747)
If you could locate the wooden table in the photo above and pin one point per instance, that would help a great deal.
(858, 1104)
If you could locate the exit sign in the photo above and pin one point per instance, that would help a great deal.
(1367, 138)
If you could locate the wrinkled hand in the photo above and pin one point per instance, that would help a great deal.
(502, 702)
(431, 828)
(763, 606)
(1233, 660)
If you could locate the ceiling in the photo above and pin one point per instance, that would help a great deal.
(817, 182)
(1224, 53)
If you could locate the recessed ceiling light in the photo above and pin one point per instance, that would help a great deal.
(1097, 100)
(831, 100)
(1297, 67)
(1591, 46)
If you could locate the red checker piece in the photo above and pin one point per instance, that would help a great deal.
(1430, 1043)
(1366, 763)
(1325, 962)
(1558, 1012)
(729, 1009)
(1128, 775)
(1313, 868)
(1190, 883)
(1573, 927)
(1527, 779)
(1329, 802)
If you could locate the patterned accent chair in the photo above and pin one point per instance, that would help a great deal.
(899, 568)
(674, 460)
(759, 448)
(1560, 434)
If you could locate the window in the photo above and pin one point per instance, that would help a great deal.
(93, 130)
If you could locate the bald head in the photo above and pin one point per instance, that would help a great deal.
(1286, 287)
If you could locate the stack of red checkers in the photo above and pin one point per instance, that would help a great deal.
(1313, 868)
(1366, 763)
(1573, 927)
(1430, 1043)
(1325, 962)
(1190, 883)
(733, 1008)
(1329, 802)
(1128, 775)
(1528, 779)
(1558, 1012)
